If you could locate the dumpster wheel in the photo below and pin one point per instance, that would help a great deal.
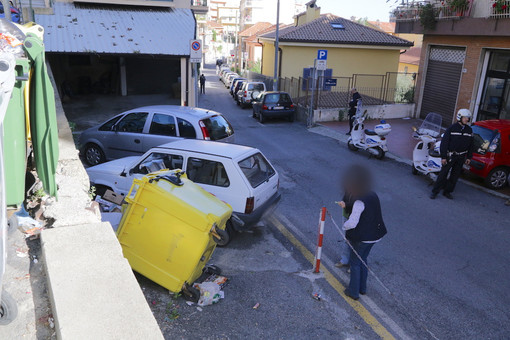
(211, 269)
(190, 293)
(223, 239)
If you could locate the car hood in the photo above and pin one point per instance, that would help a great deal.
(112, 167)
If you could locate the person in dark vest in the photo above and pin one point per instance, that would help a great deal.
(364, 228)
(456, 150)
(202, 83)
(352, 108)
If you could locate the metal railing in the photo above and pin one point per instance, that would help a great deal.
(198, 3)
(443, 9)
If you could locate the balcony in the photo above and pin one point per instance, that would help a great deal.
(475, 17)
(199, 6)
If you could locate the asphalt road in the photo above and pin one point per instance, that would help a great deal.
(444, 263)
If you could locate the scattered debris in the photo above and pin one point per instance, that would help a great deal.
(199, 309)
(257, 305)
(209, 293)
(21, 253)
(317, 296)
(190, 303)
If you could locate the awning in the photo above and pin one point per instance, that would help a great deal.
(110, 29)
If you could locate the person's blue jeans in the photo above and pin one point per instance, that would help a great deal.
(346, 253)
(359, 272)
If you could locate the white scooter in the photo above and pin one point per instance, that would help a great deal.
(426, 154)
(374, 141)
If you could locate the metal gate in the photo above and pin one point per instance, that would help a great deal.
(442, 82)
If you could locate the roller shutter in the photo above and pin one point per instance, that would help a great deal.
(442, 82)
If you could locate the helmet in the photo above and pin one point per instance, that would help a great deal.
(463, 113)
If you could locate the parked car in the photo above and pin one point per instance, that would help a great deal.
(223, 72)
(233, 84)
(238, 175)
(15, 13)
(225, 75)
(273, 104)
(250, 91)
(491, 154)
(229, 79)
(135, 131)
(236, 89)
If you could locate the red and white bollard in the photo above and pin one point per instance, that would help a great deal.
(318, 252)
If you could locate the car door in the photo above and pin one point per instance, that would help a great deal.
(153, 161)
(127, 139)
(257, 103)
(162, 129)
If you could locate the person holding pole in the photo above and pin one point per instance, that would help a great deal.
(364, 228)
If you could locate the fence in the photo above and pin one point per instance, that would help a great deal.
(390, 88)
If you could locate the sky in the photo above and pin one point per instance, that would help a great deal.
(373, 9)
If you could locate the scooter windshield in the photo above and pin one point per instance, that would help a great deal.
(431, 126)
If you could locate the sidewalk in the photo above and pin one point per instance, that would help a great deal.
(400, 145)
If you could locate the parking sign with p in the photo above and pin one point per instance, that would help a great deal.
(322, 54)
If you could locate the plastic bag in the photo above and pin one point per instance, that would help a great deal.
(210, 293)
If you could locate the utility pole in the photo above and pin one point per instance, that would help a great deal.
(275, 75)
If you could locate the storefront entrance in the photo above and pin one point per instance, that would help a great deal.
(495, 103)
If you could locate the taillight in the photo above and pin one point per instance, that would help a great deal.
(245, 93)
(264, 107)
(250, 204)
(383, 138)
(205, 132)
(495, 143)
(291, 106)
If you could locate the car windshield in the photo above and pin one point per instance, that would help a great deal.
(218, 127)
(256, 169)
(482, 138)
(274, 98)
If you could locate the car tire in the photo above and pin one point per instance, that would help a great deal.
(497, 178)
(262, 119)
(291, 117)
(413, 170)
(93, 154)
(8, 309)
(243, 105)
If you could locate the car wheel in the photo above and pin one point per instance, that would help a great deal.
(8, 309)
(413, 170)
(254, 115)
(351, 145)
(237, 102)
(291, 117)
(261, 117)
(93, 154)
(497, 178)
(243, 105)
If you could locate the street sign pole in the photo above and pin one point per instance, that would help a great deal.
(275, 75)
(314, 76)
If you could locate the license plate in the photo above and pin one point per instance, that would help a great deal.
(278, 108)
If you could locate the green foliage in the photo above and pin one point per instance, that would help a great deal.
(92, 192)
(341, 115)
(428, 17)
(72, 126)
(458, 5)
(172, 311)
(214, 34)
(256, 67)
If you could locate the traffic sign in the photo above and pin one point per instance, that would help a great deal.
(322, 54)
(321, 65)
(330, 82)
(195, 52)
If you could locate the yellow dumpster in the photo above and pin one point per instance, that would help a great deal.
(170, 228)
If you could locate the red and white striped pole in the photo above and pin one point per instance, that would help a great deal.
(319, 242)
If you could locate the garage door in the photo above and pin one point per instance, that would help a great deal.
(442, 82)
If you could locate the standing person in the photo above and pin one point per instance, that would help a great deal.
(456, 149)
(352, 108)
(364, 228)
(346, 204)
(202, 83)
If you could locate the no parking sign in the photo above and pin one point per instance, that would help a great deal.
(195, 52)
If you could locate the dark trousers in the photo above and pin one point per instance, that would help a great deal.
(202, 88)
(445, 182)
(359, 272)
(351, 121)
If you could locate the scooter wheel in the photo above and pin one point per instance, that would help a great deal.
(380, 153)
(413, 170)
(351, 146)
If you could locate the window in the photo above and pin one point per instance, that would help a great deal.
(218, 127)
(256, 87)
(256, 169)
(482, 138)
(109, 124)
(133, 122)
(207, 172)
(158, 161)
(337, 26)
(274, 98)
(186, 129)
(163, 125)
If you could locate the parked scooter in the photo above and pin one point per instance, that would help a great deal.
(374, 141)
(426, 154)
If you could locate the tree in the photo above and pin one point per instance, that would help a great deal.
(213, 35)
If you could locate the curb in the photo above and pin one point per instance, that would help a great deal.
(327, 132)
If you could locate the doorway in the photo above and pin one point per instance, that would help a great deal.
(495, 103)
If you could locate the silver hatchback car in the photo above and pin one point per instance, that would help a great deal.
(135, 131)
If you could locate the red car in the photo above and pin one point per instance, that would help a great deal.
(491, 154)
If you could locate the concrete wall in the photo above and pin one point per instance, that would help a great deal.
(411, 68)
(344, 61)
(386, 111)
